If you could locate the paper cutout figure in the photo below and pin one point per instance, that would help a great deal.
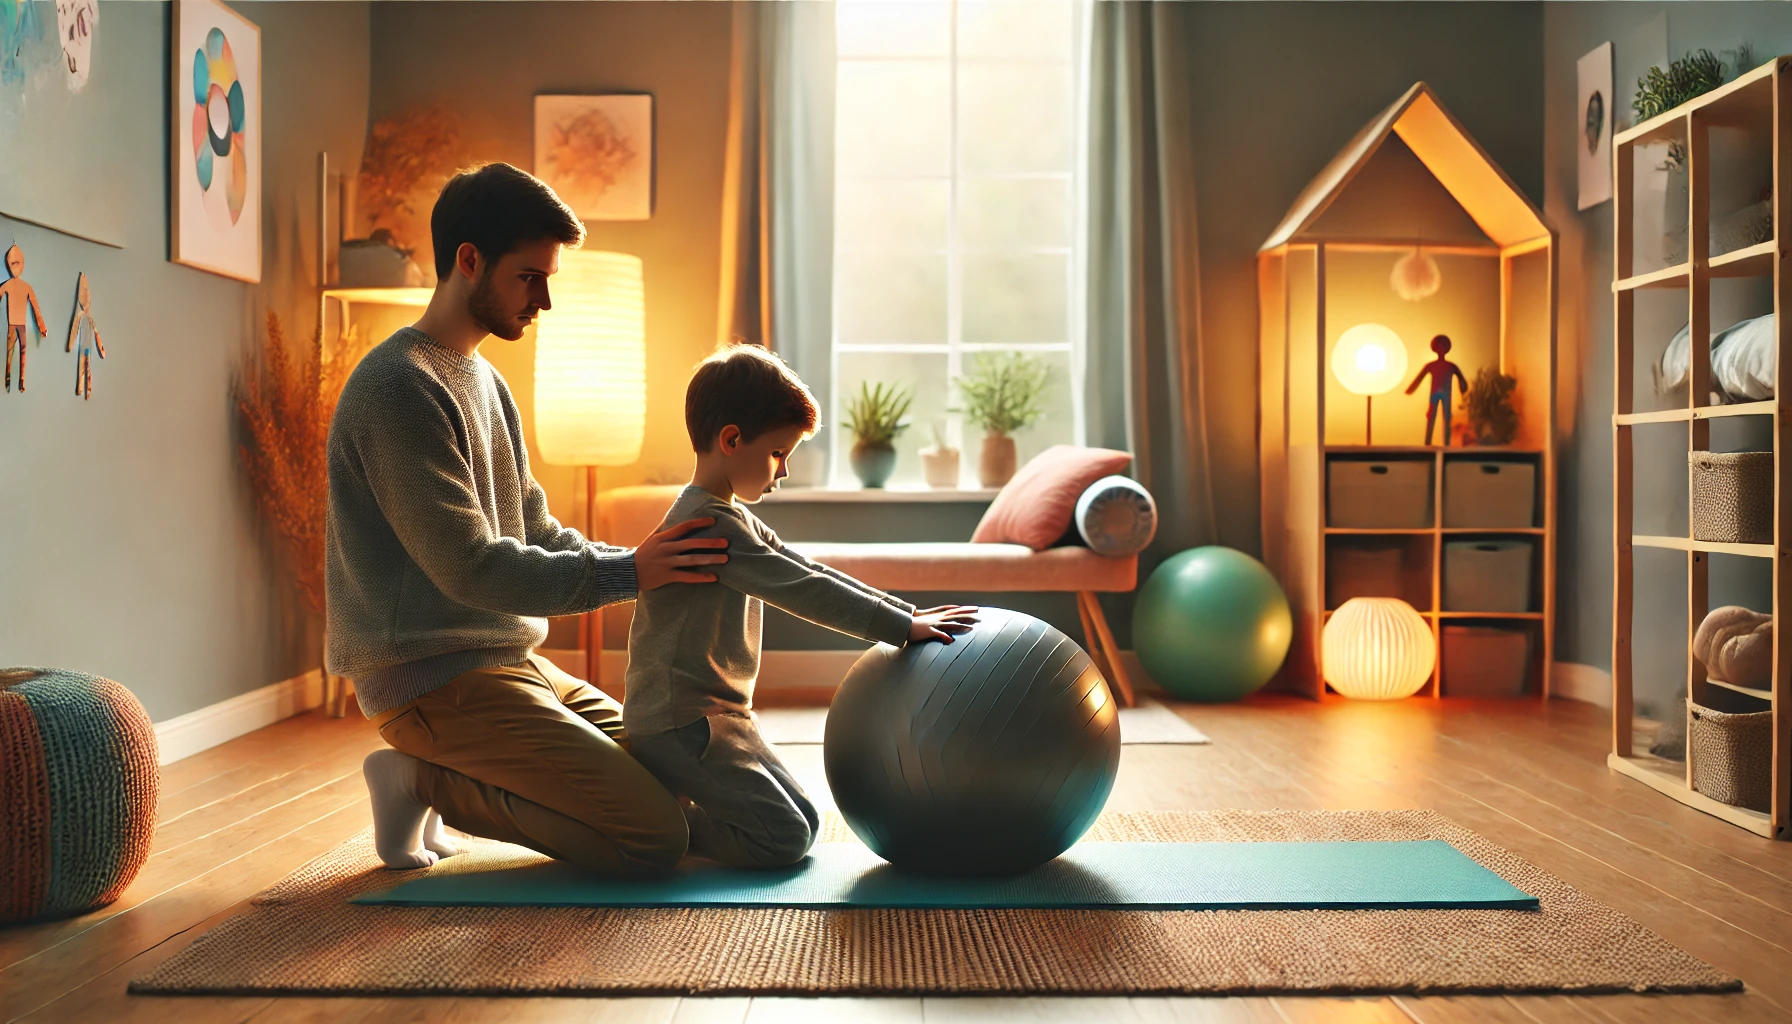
(75, 22)
(82, 328)
(1443, 374)
(18, 297)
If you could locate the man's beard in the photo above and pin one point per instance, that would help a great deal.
(488, 311)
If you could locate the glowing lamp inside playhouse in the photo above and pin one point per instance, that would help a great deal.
(1369, 360)
(1377, 648)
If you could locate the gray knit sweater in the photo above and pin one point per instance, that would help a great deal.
(441, 556)
(693, 650)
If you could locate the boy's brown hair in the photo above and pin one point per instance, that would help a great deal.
(749, 387)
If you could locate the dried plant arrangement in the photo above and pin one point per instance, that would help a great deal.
(284, 406)
(405, 153)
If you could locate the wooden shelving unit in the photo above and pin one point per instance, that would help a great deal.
(1411, 174)
(1759, 100)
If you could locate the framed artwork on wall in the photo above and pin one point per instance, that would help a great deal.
(597, 153)
(216, 141)
(1593, 123)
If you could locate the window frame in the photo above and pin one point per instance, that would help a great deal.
(955, 348)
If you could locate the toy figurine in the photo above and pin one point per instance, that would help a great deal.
(18, 297)
(1443, 374)
(82, 328)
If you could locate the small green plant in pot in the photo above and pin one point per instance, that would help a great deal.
(876, 417)
(1001, 394)
(1488, 406)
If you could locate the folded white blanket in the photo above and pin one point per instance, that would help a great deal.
(1743, 362)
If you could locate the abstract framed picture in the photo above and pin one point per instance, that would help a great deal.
(597, 153)
(1593, 125)
(216, 141)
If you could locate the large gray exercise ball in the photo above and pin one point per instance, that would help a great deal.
(988, 755)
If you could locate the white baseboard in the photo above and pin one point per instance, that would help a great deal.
(209, 726)
(1574, 681)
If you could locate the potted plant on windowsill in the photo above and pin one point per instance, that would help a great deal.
(1001, 395)
(876, 418)
(939, 464)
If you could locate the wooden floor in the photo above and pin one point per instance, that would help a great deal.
(1531, 778)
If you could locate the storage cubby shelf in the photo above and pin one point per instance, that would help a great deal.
(1766, 695)
(1703, 412)
(1716, 547)
(1759, 103)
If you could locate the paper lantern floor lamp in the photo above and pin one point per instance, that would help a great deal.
(1378, 648)
(591, 379)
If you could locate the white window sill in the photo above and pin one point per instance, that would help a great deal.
(877, 495)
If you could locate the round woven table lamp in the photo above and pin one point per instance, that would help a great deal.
(1378, 648)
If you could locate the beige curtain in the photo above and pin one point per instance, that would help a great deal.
(1144, 378)
(778, 188)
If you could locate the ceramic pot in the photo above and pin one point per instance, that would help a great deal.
(940, 466)
(873, 463)
(995, 464)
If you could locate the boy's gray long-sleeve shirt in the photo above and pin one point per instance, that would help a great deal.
(694, 648)
(441, 555)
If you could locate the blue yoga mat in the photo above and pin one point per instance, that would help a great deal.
(1137, 876)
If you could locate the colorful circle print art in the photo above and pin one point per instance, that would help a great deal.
(219, 115)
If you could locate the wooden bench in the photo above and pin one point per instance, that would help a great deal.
(628, 514)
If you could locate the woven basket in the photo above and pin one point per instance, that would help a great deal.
(1732, 497)
(1732, 756)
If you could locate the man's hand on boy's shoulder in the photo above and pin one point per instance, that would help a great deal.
(668, 556)
(941, 623)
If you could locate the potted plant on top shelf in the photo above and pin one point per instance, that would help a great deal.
(1001, 395)
(876, 417)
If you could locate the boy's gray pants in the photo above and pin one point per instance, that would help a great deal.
(749, 811)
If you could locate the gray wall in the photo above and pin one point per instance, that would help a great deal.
(1641, 35)
(1281, 87)
(128, 544)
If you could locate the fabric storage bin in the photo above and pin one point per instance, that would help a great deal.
(1364, 571)
(1392, 495)
(1732, 755)
(1487, 576)
(1485, 661)
(1732, 496)
(1489, 494)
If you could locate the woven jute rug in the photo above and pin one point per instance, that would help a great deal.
(304, 937)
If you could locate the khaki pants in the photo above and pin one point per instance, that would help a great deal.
(529, 755)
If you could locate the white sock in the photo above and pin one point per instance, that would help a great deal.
(435, 838)
(398, 814)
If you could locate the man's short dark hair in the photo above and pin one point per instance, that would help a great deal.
(749, 387)
(496, 207)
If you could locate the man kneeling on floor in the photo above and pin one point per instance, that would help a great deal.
(443, 564)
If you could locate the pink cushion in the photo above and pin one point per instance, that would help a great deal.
(1036, 506)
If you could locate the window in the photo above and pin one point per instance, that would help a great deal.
(957, 193)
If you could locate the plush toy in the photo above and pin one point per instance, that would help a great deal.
(1736, 646)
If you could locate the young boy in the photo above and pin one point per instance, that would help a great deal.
(694, 655)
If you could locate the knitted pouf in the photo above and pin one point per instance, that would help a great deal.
(78, 785)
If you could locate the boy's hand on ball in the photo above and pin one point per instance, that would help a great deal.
(666, 558)
(941, 623)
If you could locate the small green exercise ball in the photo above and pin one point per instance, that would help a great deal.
(1211, 624)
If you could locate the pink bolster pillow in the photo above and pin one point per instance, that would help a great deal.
(1036, 507)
